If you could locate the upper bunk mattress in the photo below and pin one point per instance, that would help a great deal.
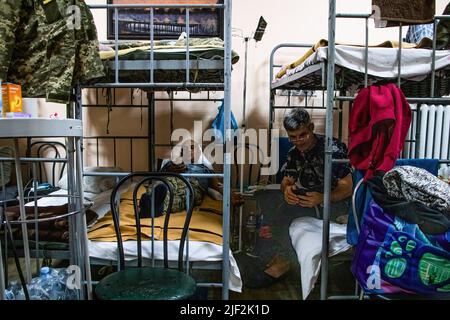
(206, 60)
(309, 71)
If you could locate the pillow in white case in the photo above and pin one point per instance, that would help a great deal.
(94, 184)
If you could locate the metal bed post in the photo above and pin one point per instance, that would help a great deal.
(433, 59)
(187, 46)
(366, 54)
(74, 233)
(244, 98)
(23, 216)
(152, 44)
(36, 213)
(75, 230)
(81, 217)
(328, 147)
(227, 155)
(2, 269)
(116, 44)
(151, 129)
(399, 80)
(81, 221)
(153, 224)
(187, 238)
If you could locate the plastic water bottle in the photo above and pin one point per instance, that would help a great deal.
(251, 226)
(16, 289)
(53, 284)
(36, 287)
(9, 295)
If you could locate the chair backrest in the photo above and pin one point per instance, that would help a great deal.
(146, 177)
(41, 150)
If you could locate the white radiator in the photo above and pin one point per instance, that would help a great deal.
(434, 133)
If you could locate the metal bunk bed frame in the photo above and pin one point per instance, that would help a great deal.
(175, 86)
(326, 72)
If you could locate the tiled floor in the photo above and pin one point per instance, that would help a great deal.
(287, 288)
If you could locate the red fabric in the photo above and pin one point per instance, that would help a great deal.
(378, 125)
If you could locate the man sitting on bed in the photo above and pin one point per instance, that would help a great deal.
(302, 186)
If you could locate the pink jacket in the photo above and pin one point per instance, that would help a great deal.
(378, 125)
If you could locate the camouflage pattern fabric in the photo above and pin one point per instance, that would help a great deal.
(48, 58)
(179, 194)
(9, 19)
(443, 31)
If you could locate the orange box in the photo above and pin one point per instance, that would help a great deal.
(12, 98)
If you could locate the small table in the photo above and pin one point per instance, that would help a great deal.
(72, 130)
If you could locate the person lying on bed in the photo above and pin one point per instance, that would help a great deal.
(197, 164)
(302, 186)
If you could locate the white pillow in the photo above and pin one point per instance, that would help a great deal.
(94, 184)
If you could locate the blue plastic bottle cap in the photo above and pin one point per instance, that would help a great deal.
(45, 270)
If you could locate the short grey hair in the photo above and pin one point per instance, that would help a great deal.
(296, 118)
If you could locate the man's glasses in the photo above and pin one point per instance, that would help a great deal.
(299, 138)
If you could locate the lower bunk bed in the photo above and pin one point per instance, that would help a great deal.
(203, 251)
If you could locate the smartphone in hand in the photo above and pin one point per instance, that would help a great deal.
(299, 191)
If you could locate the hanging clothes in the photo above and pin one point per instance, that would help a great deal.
(443, 31)
(421, 34)
(391, 13)
(49, 47)
(378, 124)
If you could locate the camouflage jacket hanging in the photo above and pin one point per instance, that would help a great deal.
(48, 46)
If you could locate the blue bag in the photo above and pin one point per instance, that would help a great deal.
(217, 124)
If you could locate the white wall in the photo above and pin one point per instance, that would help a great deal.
(289, 21)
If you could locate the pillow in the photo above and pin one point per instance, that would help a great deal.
(6, 152)
(94, 184)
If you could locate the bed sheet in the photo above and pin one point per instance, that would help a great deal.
(382, 61)
(97, 202)
(198, 251)
(306, 238)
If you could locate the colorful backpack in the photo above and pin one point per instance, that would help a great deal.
(393, 256)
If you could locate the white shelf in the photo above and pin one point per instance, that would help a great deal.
(40, 127)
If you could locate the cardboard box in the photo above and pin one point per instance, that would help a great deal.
(12, 98)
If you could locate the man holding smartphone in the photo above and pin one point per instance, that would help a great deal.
(302, 187)
(304, 168)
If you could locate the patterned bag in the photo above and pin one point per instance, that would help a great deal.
(416, 184)
(393, 256)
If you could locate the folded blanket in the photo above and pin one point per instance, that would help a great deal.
(206, 223)
(323, 43)
(53, 230)
(164, 46)
(404, 11)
